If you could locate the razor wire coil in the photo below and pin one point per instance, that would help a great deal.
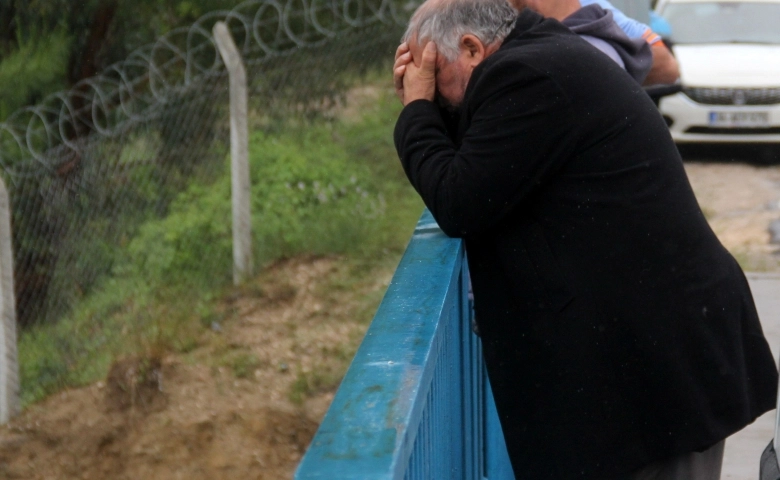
(134, 90)
(88, 166)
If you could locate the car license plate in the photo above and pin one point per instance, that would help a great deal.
(739, 119)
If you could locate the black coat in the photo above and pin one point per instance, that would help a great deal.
(617, 330)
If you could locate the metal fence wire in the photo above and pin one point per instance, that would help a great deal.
(86, 167)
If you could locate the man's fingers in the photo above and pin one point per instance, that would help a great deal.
(398, 77)
(402, 48)
(428, 63)
(398, 81)
(403, 56)
(402, 60)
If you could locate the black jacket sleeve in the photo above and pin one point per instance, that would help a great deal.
(512, 142)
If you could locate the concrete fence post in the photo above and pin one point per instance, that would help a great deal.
(239, 154)
(9, 365)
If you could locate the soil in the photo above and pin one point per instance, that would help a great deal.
(245, 402)
(208, 414)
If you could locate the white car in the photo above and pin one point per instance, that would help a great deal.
(729, 57)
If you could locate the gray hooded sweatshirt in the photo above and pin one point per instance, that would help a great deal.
(596, 25)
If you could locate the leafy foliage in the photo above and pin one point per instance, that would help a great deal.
(48, 45)
(37, 68)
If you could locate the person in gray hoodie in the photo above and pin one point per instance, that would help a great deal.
(596, 25)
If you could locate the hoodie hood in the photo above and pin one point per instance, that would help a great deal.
(594, 21)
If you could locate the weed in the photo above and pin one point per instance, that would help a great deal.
(322, 379)
(244, 365)
(186, 345)
(135, 382)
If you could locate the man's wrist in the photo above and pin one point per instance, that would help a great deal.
(418, 100)
(413, 97)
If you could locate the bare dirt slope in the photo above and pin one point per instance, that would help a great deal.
(245, 402)
(242, 405)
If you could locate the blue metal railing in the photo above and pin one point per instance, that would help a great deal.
(415, 402)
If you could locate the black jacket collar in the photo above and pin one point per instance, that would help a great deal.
(526, 20)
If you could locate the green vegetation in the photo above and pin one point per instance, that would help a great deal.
(311, 383)
(331, 187)
(50, 45)
(33, 71)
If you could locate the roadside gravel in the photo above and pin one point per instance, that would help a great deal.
(740, 200)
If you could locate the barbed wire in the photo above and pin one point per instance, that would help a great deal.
(136, 89)
(87, 167)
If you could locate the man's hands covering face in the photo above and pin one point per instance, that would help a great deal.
(413, 82)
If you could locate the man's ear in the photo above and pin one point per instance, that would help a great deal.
(473, 48)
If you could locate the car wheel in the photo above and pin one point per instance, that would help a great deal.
(769, 468)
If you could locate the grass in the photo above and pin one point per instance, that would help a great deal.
(321, 379)
(333, 187)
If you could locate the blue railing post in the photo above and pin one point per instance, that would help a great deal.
(415, 402)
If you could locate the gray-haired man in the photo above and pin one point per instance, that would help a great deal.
(620, 337)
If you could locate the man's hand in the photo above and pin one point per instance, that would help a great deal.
(403, 56)
(413, 82)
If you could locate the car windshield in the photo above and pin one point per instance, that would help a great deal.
(723, 22)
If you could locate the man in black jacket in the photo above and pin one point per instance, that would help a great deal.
(620, 337)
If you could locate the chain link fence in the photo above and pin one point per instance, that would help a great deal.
(85, 168)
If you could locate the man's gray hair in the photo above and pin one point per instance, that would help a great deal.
(446, 21)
